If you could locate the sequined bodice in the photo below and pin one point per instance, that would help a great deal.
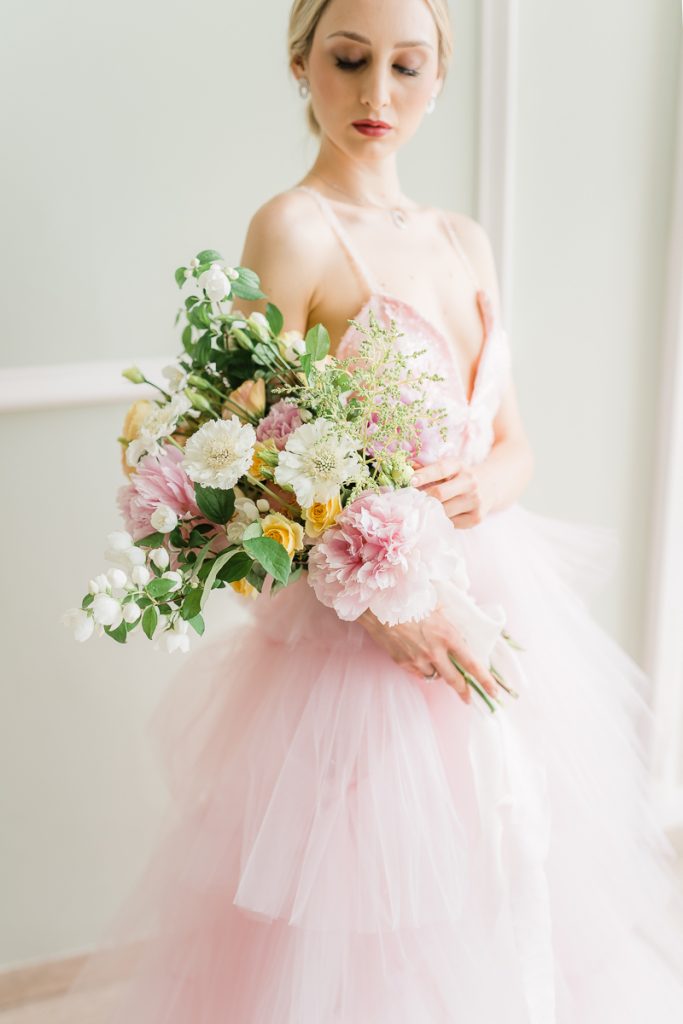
(469, 423)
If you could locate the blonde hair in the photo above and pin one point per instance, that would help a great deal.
(303, 21)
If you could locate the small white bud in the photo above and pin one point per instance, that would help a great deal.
(262, 504)
(131, 611)
(117, 577)
(163, 519)
(141, 575)
(160, 557)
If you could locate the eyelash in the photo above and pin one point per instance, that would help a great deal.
(347, 65)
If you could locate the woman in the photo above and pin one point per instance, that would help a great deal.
(355, 840)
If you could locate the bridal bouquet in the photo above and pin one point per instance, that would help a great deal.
(264, 458)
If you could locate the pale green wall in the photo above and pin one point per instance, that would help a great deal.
(137, 133)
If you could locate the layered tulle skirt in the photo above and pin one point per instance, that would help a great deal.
(350, 844)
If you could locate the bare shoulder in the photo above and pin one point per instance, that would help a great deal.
(479, 250)
(284, 222)
(282, 245)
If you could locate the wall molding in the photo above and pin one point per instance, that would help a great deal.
(23, 388)
(664, 635)
(497, 133)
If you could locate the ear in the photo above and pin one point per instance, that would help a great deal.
(298, 67)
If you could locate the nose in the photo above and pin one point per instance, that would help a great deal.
(376, 92)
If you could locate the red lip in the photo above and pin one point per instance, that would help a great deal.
(376, 128)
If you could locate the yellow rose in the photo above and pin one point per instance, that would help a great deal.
(131, 428)
(321, 515)
(250, 397)
(284, 531)
(259, 460)
(245, 588)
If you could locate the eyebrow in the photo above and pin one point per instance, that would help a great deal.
(363, 39)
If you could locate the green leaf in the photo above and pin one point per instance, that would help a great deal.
(192, 603)
(236, 569)
(176, 538)
(215, 503)
(152, 540)
(253, 530)
(187, 339)
(150, 618)
(271, 555)
(247, 285)
(119, 634)
(317, 342)
(216, 567)
(191, 300)
(197, 624)
(180, 276)
(208, 256)
(159, 587)
(87, 600)
(275, 318)
(202, 350)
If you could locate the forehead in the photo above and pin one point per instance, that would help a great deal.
(379, 22)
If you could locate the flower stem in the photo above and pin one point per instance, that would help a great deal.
(472, 681)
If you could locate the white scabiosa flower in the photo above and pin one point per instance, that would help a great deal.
(106, 610)
(176, 638)
(78, 620)
(160, 557)
(163, 518)
(219, 453)
(215, 283)
(315, 462)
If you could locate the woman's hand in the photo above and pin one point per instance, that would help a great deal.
(421, 647)
(459, 487)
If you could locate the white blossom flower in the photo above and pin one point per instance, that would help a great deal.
(246, 512)
(100, 584)
(117, 577)
(194, 263)
(160, 422)
(163, 518)
(176, 638)
(140, 575)
(232, 273)
(219, 453)
(215, 283)
(106, 610)
(119, 540)
(160, 557)
(262, 504)
(131, 611)
(316, 461)
(176, 377)
(80, 622)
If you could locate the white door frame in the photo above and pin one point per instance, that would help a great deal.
(664, 627)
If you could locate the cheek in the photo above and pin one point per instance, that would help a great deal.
(332, 88)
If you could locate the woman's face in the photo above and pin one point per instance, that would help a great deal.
(373, 60)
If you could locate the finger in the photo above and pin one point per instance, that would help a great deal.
(453, 677)
(479, 672)
(443, 469)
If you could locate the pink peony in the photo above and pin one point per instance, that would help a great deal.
(387, 551)
(159, 479)
(281, 420)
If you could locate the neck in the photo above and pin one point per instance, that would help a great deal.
(376, 181)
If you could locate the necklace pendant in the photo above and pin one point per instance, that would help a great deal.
(399, 217)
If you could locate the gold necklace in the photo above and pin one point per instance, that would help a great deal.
(397, 213)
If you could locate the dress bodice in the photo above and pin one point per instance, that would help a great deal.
(469, 421)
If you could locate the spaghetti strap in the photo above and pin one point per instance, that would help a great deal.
(340, 231)
(452, 234)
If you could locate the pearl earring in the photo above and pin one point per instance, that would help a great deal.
(304, 88)
(431, 104)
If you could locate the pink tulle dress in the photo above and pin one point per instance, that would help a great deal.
(350, 844)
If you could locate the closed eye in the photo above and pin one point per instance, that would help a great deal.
(349, 65)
